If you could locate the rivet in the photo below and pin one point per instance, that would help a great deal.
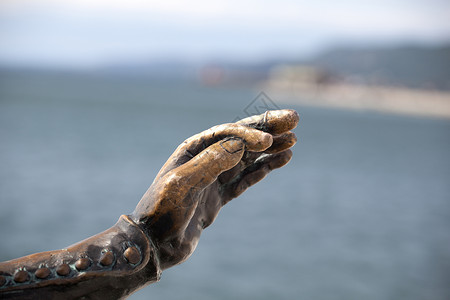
(132, 255)
(82, 263)
(42, 273)
(63, 270)
(107, 258)
(2, 280)
(21, 276)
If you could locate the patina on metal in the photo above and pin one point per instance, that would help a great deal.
(204, 173)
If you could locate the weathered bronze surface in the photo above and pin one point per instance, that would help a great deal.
(204, 173)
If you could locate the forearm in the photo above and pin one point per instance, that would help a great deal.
(204, 173)
(109, 265)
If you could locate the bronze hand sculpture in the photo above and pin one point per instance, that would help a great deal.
(204, 173)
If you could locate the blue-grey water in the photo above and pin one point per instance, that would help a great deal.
(361, 212)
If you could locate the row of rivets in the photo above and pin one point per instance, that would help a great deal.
(131, 254)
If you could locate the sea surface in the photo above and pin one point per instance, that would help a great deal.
(361, 212)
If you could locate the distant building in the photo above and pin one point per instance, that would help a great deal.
(301, 76)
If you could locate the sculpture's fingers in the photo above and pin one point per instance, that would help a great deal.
(273, 121)
(254, 173)
(280, 143)
(255, 140)
(278, 123)
(168, 206)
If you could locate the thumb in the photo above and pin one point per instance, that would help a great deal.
(171, 204)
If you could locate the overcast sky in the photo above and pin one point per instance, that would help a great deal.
(93, 32)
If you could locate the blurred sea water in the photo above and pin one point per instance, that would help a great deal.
(361, 212)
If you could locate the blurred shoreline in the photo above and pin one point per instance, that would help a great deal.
(386, 99)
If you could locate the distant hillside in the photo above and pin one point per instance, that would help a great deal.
(418, 67)
(408, 66)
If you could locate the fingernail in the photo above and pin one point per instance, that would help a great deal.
(232, 145)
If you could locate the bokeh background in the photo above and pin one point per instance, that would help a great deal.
(95, 95)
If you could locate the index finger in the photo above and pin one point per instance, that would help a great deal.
(273, 121)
